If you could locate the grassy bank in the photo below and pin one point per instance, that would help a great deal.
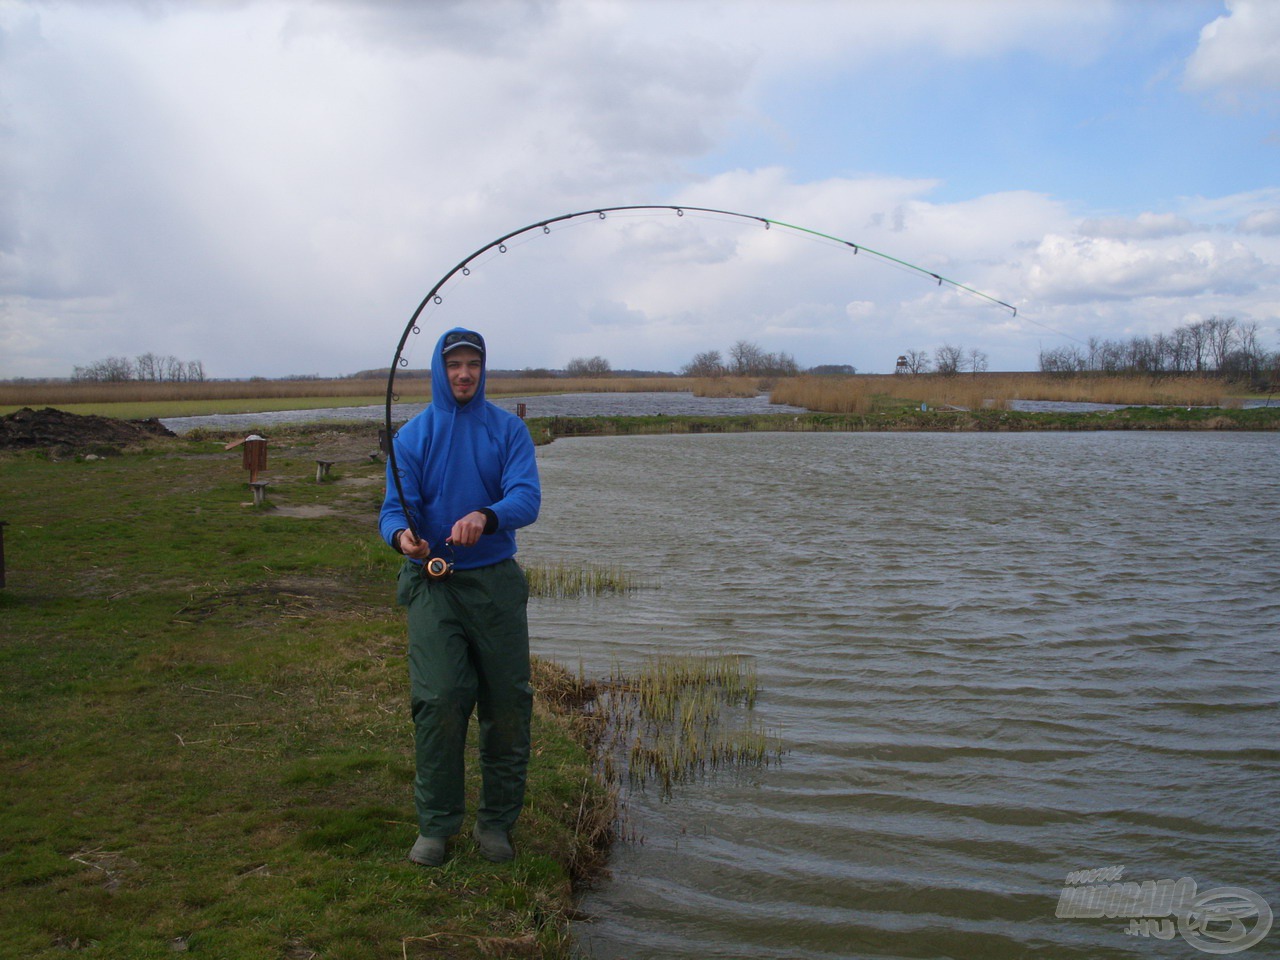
(545, 429)
(204, 736)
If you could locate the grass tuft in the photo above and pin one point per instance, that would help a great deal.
(683, 717)
(558, 579)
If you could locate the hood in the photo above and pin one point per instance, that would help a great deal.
(441, 393)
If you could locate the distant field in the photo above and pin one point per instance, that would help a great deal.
(143, 399)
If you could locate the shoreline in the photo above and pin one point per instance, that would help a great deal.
(547, 429)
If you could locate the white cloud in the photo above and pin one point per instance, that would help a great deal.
(489, 29)
(1265, 222)
(809, 33)
(1230, 208)
(1144, 226)
(272, 187)
(1084, 269)
(859, 310)
(1237, 53)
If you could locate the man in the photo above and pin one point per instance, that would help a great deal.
(470, 480)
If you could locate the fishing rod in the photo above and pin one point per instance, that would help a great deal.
(501, 245)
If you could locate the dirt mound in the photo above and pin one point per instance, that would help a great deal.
(54, 428)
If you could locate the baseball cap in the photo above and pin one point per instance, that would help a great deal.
(462, 338)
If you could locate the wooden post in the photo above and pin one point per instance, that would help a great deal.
(255, 456)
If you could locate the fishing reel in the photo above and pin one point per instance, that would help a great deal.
(437, 568)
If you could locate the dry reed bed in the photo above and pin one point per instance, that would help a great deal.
(856, 395)
(725, 386)
(861, 394)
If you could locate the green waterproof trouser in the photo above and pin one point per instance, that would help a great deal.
(468, 649)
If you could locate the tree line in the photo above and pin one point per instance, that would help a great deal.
(947, 361)
(1217, 346)
(147, 366)
(745, 359)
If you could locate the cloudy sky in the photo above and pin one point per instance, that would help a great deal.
(271, 188)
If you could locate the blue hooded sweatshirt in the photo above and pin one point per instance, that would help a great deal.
(455, 458)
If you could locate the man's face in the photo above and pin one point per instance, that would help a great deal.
(463, 366)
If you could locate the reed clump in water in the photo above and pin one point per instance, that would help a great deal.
(726, 387)
(555, 579)
(865, 395)
(683, 717)
(828, 394)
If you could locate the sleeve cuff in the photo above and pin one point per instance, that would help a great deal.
(490, 520)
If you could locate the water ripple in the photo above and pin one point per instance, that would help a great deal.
(994, 660)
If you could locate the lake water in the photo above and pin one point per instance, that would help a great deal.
(642, 404)
(994, 660)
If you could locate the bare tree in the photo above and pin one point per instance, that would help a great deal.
(745, 358)
(147, 366)
(706, 364)
(1159, 353)
(1140, 355)
(778, 365)
(1197, 342)
(977, 361)
(588, 367)
(1221, 336)
(1094, 360)
(916, 361)
(1109, 356)
(947, 359)
(1062, 361)
(1219, 346)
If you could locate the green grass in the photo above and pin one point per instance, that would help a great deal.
(204, 734)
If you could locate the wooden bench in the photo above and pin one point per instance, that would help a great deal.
(259, 488)
(322, 469)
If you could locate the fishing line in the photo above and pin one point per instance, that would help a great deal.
(504, 244)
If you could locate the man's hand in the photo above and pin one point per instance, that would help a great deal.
(467, 531)
(411, 546)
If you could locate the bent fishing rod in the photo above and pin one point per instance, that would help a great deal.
(601, 213)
